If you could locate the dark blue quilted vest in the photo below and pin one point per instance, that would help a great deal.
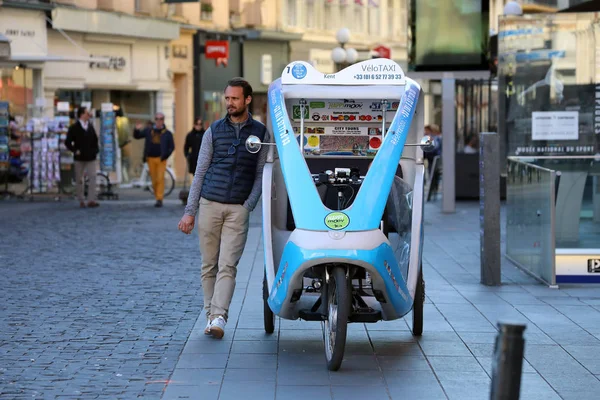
(230, 178)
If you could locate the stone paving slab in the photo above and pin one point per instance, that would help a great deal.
(452, 360)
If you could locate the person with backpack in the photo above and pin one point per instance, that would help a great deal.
(158, 148)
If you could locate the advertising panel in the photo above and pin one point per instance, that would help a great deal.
(342, 126)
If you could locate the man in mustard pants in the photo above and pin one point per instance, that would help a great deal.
(158, 147)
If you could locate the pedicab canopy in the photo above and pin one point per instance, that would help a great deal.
(375, 88)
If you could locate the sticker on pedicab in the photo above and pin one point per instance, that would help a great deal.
(299, 71)
(296, 114)
(374, 143)
(337, 220)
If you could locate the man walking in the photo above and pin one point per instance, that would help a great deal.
(157, 149)
(193, 141)
(227, 186)
(82, 140)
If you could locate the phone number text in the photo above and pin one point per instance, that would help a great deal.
(378, 76)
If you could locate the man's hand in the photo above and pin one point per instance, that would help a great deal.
(186, 224)
(139, 126)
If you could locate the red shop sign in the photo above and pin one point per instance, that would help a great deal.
(216, 49)
(384, 52)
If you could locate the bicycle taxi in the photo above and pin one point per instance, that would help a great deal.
(342, 199)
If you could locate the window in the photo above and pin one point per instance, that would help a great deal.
(310, 14)
(142, 6)
(374, 22)
(206, 10)
(390, 13)
(178, 11)
(16, 87)
(345, 12)
(358, 17)
(328, 16)
(291, 13)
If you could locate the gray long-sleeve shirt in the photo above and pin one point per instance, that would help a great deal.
(204, 160)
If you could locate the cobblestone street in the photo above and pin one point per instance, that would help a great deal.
(96, 303)
(105, 304)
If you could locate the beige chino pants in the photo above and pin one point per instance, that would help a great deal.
(83, 168)
(222, 230)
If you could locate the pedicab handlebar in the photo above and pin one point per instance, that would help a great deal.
(253, 144)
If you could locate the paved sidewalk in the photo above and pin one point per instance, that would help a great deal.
(452, 360)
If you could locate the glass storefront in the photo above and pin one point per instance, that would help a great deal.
(214, 106)
(131, 107)
(16, 87)
(547, 72)
(549, 118)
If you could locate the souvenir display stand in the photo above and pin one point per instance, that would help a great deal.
(4, 147)
(110, 154)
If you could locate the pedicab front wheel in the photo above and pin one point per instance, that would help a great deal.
(268, 315)
(417, 312)
(338, 304)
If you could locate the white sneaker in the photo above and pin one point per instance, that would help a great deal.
(217, 327)
(207, 329)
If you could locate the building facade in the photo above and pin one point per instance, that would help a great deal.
(24, 34)
(135, 77)
(372, 23)
(176, 58)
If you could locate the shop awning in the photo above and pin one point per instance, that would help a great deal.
(7, 55)
(40, 59)
(4, 47)
(586, 6)
(254, 34)
(110, 23)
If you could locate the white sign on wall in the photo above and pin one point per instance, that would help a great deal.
(266, 69)
(118, 69)
(62, 106)
(26, 31)
(555, 125)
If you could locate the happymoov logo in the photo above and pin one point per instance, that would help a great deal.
(299, 71)
(337, 220)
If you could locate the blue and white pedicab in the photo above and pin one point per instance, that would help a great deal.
(343, 217)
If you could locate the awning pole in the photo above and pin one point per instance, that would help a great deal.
(67, 37)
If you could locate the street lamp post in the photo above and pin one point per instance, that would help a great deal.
(342, 56)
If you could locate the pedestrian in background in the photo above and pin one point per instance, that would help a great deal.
(157, 149)
(226, 187)
(193, 141)
(82, 140)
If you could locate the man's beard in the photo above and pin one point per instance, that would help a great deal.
(237, 113)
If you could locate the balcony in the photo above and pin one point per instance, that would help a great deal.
(252, 14)
(123, 6)
(89, 4)
(206, 10)
(235, 6)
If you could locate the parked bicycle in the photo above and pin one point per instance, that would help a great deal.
(145, 181)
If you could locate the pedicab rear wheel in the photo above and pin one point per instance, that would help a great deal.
(336, 325)
(417, 312)
(268, 315)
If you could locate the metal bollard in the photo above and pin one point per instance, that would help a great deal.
(489, 209)
(507, 362)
